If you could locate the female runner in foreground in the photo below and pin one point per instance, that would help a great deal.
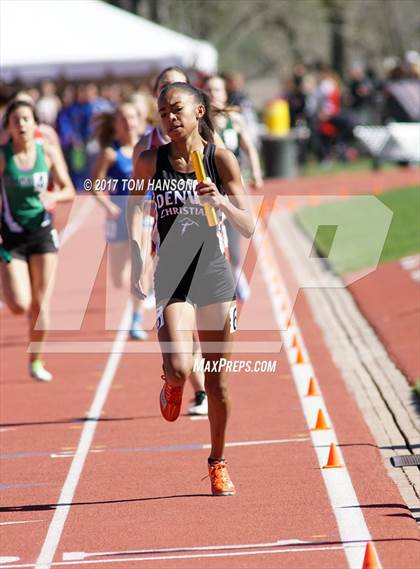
(193, 280)
(153, 140)
(27, 230)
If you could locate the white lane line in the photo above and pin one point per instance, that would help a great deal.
(9, 560)
(267, 442)
(345, 505)
(194, 556)
(190, 447)
(63, 506)
(80, 555)
(21, 522)
(76, 221)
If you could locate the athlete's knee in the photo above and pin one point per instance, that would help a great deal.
(179, 370)
(216, 387)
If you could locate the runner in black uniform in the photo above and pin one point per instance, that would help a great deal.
(193, 280)
(152, 140)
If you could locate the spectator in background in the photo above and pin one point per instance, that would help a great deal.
(34, 93)
(332, 128)
(402, 93)
(360, 95)
(295, 96)
(64, 121)
(81, 150)
(48, 105)
(237, 97)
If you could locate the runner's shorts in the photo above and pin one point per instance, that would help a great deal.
(23, 245)
(203, 282)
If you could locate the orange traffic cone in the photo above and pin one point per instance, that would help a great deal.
(344, 194)
(295, 343)
(333, 458)
(299, 357)
(312, 388)
(371, 560)
(289, 322)
(321, 423)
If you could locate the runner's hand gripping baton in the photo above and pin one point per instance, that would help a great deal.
(200, 174)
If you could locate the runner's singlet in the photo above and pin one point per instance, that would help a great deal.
(121, 169)
(191, 266)
(181, 220)
(22, 210)
(230, 137)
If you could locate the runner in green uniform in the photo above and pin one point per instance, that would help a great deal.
(26, 230)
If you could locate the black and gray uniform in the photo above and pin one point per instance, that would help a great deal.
(192, 266)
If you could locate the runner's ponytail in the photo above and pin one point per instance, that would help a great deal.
(104, 128)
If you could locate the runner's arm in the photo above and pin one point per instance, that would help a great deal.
(142, 145)
(105, 159)
(144, 168)
(248, 147)
(61, 177)
(235, 203)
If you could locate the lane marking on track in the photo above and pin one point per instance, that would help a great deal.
(28, 484)
(186, 447)
(56, 526)
(23, 455)
(104, 347)
(170, 448)
(76, 222)
(193, 556)
(344, 503)
(21, 522)
(198, 417)
(80, 555)
(8, 560)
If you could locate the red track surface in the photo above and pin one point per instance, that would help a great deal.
(136, 493)
(389, 298)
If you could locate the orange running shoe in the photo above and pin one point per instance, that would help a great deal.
(170, 401)
(221, 484)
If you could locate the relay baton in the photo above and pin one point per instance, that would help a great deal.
(200, 174)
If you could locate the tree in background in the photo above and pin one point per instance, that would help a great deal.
(260, 38)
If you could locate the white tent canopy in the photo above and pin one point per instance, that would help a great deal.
(42, 39)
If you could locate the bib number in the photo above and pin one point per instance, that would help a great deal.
(233, 319)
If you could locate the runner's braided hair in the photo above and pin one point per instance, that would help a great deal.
(205, 124)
